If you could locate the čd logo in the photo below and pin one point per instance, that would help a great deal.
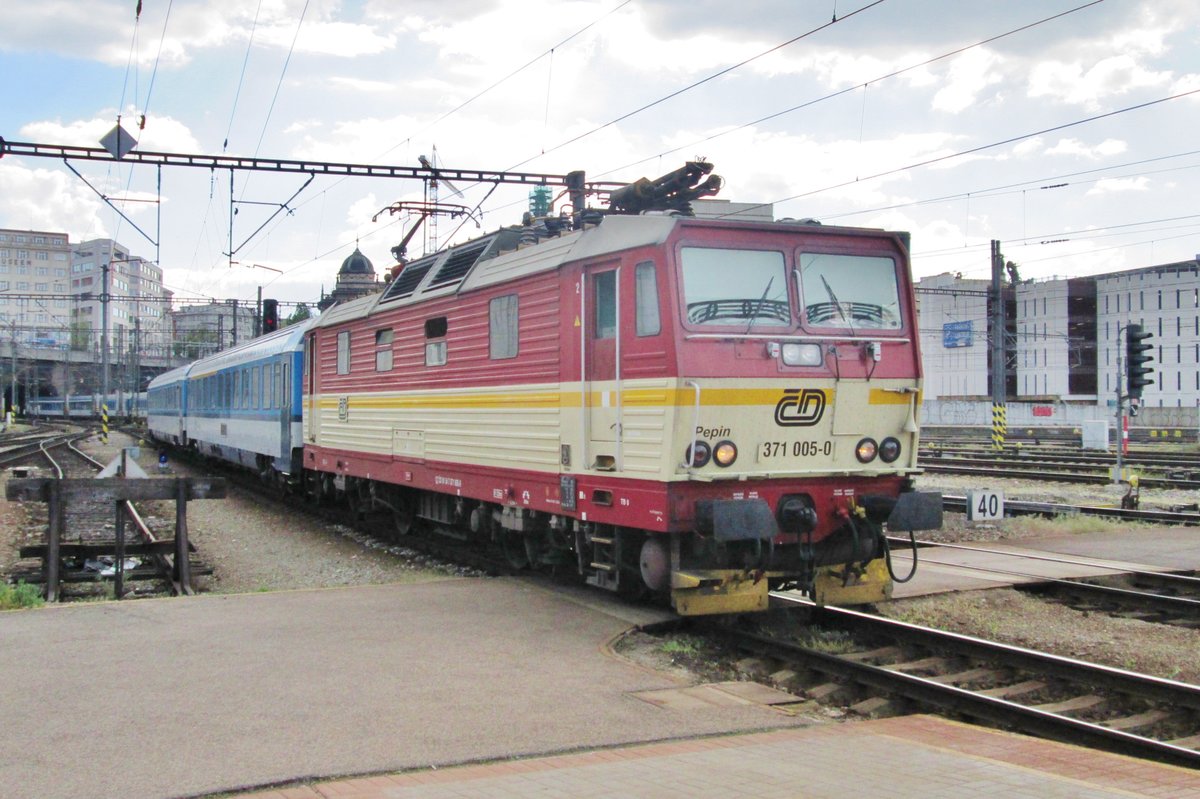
(800, 407)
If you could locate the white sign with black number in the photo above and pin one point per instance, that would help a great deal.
(985, 505)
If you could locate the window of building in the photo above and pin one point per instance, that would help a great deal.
(41, 255)
(383, 350)
(343, 352)
(22, 285)
(41, 286)
(646, 298)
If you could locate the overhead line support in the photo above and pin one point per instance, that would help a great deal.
(70, 152)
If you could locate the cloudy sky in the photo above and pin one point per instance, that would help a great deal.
(1065, 129)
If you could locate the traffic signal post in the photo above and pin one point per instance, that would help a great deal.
(1133, 375)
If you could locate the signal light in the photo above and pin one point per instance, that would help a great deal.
(1137, 358)
(270, 317)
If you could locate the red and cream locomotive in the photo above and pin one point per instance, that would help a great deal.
(699, 408)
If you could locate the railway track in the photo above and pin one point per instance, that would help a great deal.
(958, 504)
(985, 468)
(1160, 597)
(1033, 692)
(90, 526)
(1177, 461)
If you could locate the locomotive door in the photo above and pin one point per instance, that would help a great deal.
(309, 403)
(602, 366)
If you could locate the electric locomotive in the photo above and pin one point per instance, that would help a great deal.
(703, 409)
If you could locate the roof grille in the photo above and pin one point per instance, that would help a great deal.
(458, 264)
(407, 281)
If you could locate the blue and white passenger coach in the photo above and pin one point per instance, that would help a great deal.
(243, 405)
(166, 406)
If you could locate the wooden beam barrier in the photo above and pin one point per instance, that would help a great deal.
(59, 493)
(116, 489)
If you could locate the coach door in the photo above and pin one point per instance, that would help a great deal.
(602, 366)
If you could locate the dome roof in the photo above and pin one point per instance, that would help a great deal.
(357, 264)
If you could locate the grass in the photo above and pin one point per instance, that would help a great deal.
(682, 645)
(21, 595)
(1073, 524)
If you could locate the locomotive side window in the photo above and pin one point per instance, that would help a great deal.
(646, 282)
(502, 327)
(850, 291)
(735, 287)
(605, 304)
(383, 349)
(435, 351)
(343, 353)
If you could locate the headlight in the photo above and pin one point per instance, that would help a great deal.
(698, 454)
(866, 450)
(889, 450)
(725, 453)
(802, 354)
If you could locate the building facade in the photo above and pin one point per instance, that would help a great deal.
(1064, 336)
(200, 330)
(34, 308)
(355, 279)
(138, 302)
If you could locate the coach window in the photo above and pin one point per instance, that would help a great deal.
(435, 351)
(343, 353)
(646, 280)
(502, 327)
(383, 350)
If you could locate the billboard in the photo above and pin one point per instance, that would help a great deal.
(957, 334)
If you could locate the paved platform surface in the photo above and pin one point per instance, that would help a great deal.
(912, 756)
(178, 697)
(992, 564)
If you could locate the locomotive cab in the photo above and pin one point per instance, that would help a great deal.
(788, 437)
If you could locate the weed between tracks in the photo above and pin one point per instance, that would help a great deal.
(20, 596)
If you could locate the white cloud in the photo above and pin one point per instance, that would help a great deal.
(970, 73)
(43, 199)
(362, 85)
(1075, 147)
(1027, 147)
(1109, 185)
(1107, 78)
(161, 134)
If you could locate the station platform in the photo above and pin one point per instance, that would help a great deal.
(910, 756)
(993, 564)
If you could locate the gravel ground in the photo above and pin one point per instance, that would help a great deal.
(253, 543)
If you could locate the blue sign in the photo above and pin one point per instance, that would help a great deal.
(957, 334)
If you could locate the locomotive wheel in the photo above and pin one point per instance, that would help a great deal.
(512, 544)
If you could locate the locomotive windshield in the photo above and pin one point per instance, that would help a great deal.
(730, 287)
(849, 291)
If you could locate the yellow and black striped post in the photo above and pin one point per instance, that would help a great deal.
(999, 424)
(104, 423)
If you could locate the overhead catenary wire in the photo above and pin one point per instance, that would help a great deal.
(972, 150)
(859, 85)
(698, 83)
